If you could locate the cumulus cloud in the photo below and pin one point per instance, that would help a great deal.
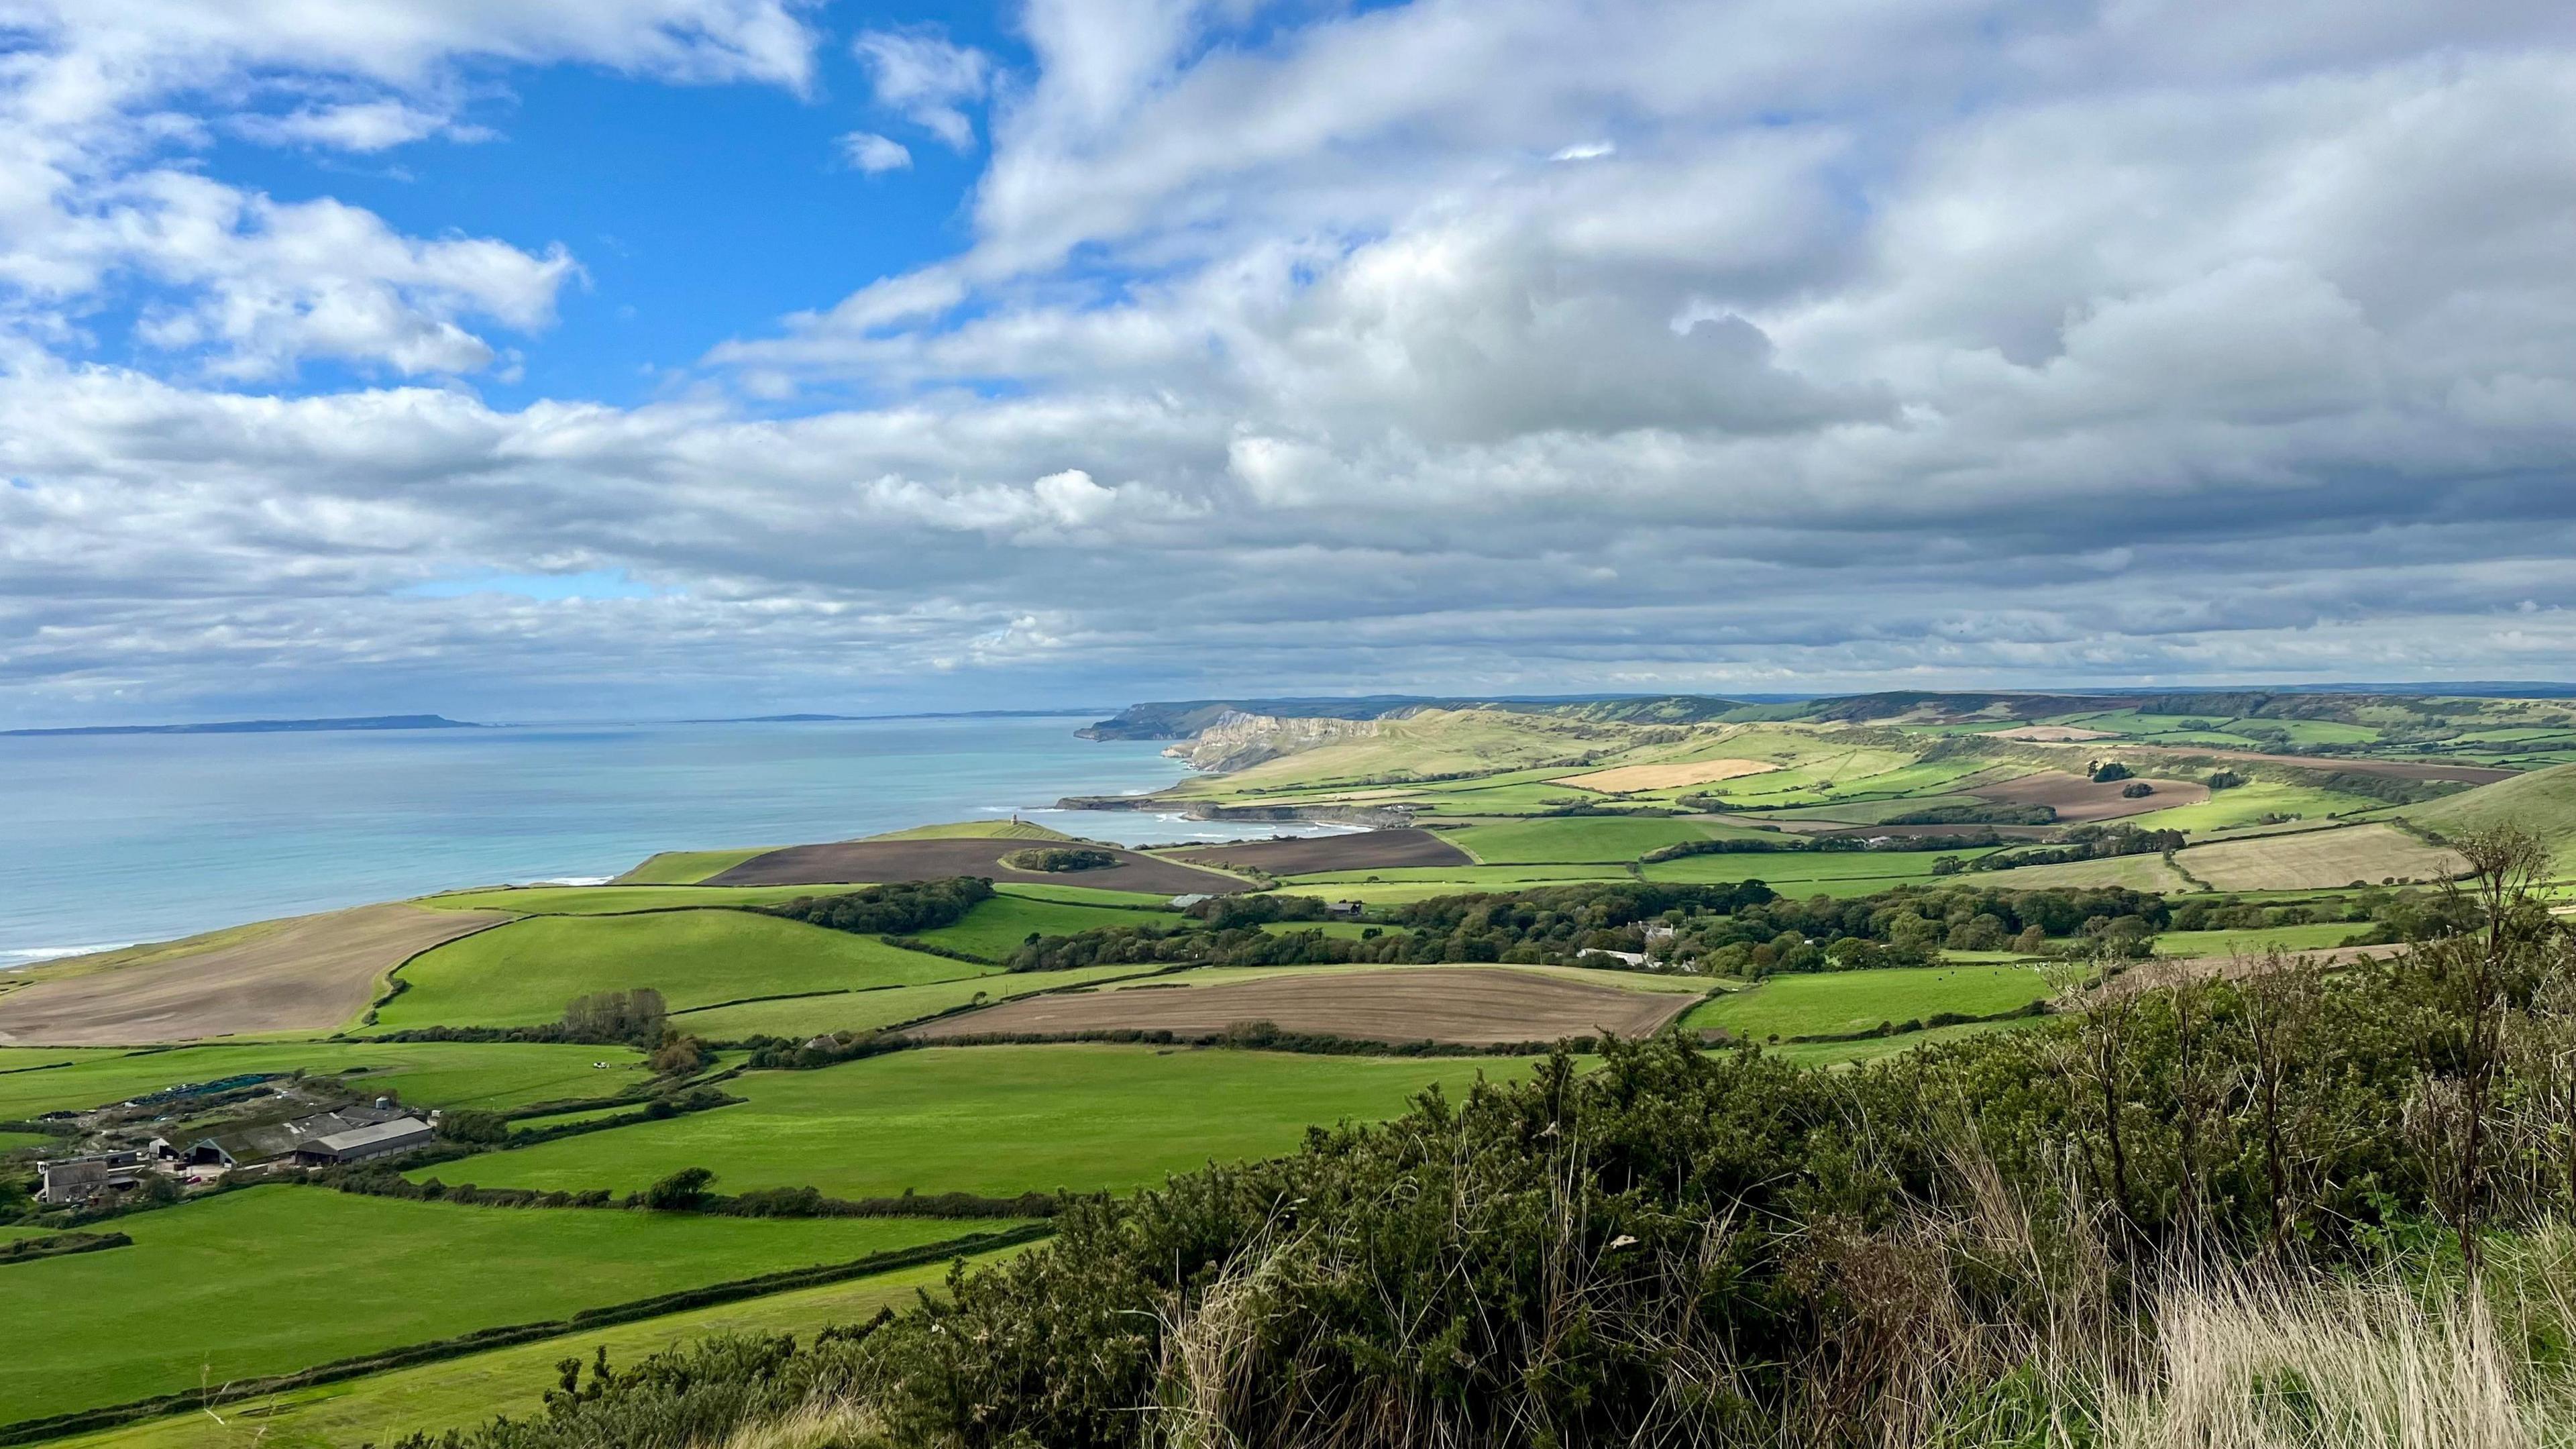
(874, 154)
(1288, 348)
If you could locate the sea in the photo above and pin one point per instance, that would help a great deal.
(106, 840)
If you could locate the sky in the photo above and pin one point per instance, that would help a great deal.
(528, 359)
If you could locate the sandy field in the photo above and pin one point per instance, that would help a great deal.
(1368, 850)
(1448, 1004)
(878, 862)
(1665, 777)
(2080, 801)
(308, 974)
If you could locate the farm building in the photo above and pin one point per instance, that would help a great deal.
(72, 1180)
(1345, 910)
(358, 1145)
(267, 1142)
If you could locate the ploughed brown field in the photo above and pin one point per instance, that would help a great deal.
(1368, 850)
(2079, 801)
(880, 862)
(1467, 1005)
(308, 974)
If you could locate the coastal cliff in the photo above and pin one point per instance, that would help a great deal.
(1237, 740)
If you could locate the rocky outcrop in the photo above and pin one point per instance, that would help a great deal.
(1236, 740)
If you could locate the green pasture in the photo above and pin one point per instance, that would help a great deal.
(2247, 804)
(611, 900)
(995, 928)
(1083, 895)
(804, 1016)
(2542, 802)
(523, 973)
(1828, 1002)
(461, 1392)
(489, 1075)
(275, 1279)
(1457, 879)
(1574, 839)
(995, 1119)
(1646, 981)
(1804, 868)
(688, 867)
(12, 1141)
(976, 830)
(1874, 1048)
(1872, 812)
(2138, 872)
(2319, 936)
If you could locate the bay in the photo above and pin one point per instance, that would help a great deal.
(112, 839)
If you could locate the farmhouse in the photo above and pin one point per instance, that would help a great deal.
(1345, 910)
(383, 1139)
(70, 1180)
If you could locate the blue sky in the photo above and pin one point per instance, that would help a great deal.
(685, 356)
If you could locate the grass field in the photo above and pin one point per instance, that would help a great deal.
(1573, 839)
(1869, 1049)
(523, 973)
(1839, 1001)
(1082, 895)
(488, 1075)
(2317, 860)
(611, 900)
(976, 830)
(12, 1141)
(459, 1392)
(1617, 980)
(1002, 1119)
(1810, 869)
(995, 928)
(688, 867)
(2137, 872)
(806, 1016)
(2322, 936)
(2542, 802)
(2247, 804)
(279, 1278)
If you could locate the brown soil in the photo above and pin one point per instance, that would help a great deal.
(1665, 777)
(1469, 1005)
(2080, 801)
(308, 974)
(1368, 850)
(878, 862)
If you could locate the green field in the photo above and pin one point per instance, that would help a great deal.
(1085, 895)
(12, 1141)
(1867, 1049)
(458, 1392)
(805, 1016)
(275, 1279)
(1580, 975)
(490, 1075)
(995, 928)
(1830, 1002)
(2542, 802)
(1458, 878)
(1802, 872)
(976, 830)
(997, 1120)
(610, 900)
(2321, 936)
(523, 973)
(2247, 804)
(688, 867)
(2138, 872)
(1573, 839)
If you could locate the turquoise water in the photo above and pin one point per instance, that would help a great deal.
(120, 838)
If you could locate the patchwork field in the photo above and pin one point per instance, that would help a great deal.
(1625, 778)
(524, 973)
(1576, 839)
(275, 1279)
(805, 1016)
(940, 858)
(1363, 850)
(998, 1120)
(491, 1075)
(1831, 1002)
(2079, 801)
(2317, 860)
(995, 928)
(1456, 1005)
(688, 867)
(2137, 872)
(308, 974)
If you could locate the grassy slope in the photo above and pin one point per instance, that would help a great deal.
(523, 973)
(1573, 839)
(1084, 895)
(1839, 1001)
(610, 900)
(688, 867)
(2542, 802)
(280, 1278)
(2249, 803)
(994, 1120)
(996, 927)
(458, 1392)
(2322, 936)
(976, 830)
(807, 1016)
(1808, 871)
(437, 1074)
(1580, 976)
(2138, 872)
(2316, 860)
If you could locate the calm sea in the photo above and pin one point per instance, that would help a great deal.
(119, 838)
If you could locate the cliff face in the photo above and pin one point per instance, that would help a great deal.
(1236, 740)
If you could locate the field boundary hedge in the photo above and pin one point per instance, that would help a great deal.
(60, 1245)
(26, 1431)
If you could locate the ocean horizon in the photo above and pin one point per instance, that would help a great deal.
(128, 838)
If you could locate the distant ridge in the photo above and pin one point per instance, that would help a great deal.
(267, 726)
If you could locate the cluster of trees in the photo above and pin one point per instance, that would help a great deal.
(1721, 1248)
(1552, 925)
(633, 1018)
(2089, 842)
(898, 909)
(1911, 927)
(1759, 845)
(1059, 859)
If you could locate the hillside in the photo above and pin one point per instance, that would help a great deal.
(2542, 802)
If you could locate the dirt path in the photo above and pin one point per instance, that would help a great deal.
(308, 974)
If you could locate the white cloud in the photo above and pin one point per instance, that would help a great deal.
(1585, 151)
(874, 154)
(924, 78)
